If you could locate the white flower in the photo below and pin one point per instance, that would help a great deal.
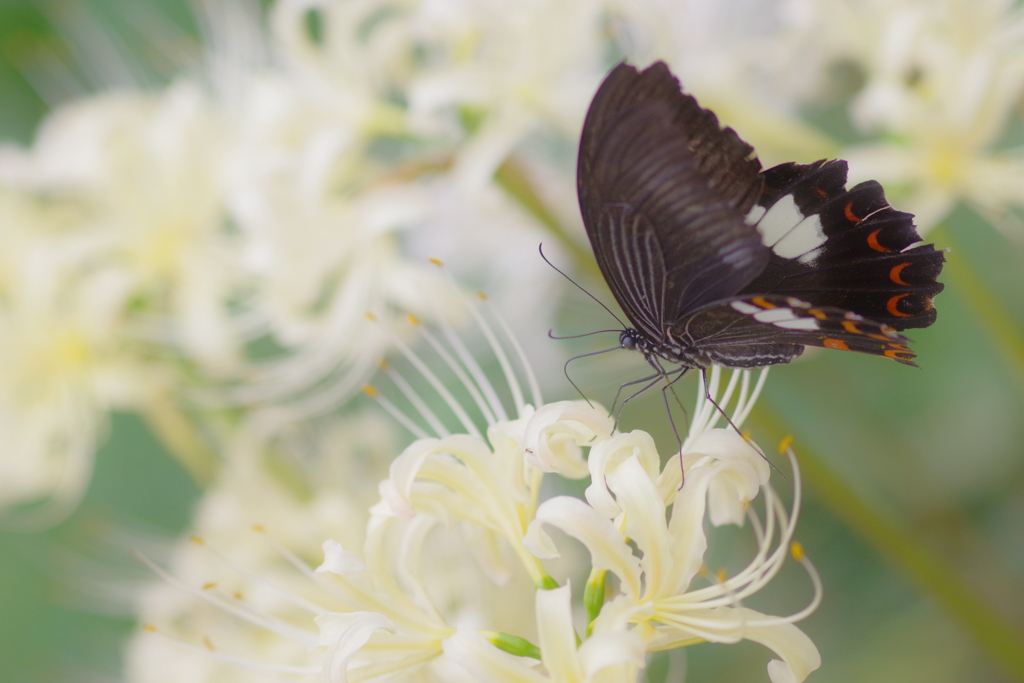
(455, 582)
(629, 500)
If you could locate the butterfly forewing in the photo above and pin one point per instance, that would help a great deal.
(664, 191)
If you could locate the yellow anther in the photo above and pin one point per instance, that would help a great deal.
(413, 319)
(370, 316)
(369, 391)
(208, 586)
(149, 627)
(383, 364)
(237, 595)
(258, 527)
(482, 296)
(721, 575)
(437, 262)
(796, 549)
(208, 643)
(784, 445)
(197, 540)
(746, 436)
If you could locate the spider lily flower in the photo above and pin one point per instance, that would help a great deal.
(453, 580)
(633, 503)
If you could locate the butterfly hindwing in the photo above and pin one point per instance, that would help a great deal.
(844, 248)
(664, 191)
(751, 331)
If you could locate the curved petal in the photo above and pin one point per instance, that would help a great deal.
(644, 513)
(607, 454)
(742, 473)
(345, 633)
(608, 549)
(625, 649)
(556, 432)
(337, 560)
(556, 635)
(731, 624)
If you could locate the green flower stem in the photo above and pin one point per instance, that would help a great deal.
(962, 278)
(933, 575)
(178, 434)
(511, 177)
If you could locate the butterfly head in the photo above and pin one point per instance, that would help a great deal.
(628, 339)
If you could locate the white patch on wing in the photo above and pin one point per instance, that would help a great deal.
(806, 236)
(786, 318)
(799, 324)
(779, 220)
(745, 308)
(789, 233)
(754, 215)
(774, 315)
(810, 257)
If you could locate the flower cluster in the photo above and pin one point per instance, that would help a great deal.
(459, 578)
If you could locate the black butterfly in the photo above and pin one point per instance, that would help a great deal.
(715, 261)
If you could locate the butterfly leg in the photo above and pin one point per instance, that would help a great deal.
(651, 381)
(707, 395)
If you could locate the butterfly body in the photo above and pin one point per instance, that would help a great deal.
(716, 261)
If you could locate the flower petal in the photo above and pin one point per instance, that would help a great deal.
(337, 560)
(556, 635)
(556, 432)
(345, 633)
(608, 549)
(607, 454)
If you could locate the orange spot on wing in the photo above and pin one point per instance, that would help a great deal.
(821, 192)
(873, 241)
(851, 327)
(894, 274)
(891, 307)
(835, 344)
(818, 313)
(760, 301)
(895, 354)
(850, 215)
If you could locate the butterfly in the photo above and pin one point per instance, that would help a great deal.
(716, 261)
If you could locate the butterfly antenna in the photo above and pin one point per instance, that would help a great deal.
(559, 270)
(552, 335)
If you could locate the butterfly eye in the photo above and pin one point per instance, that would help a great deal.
(627, 340)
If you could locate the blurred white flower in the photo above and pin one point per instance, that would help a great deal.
(942, 80)
(284, 489)
(62, 355)
(146, 168)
